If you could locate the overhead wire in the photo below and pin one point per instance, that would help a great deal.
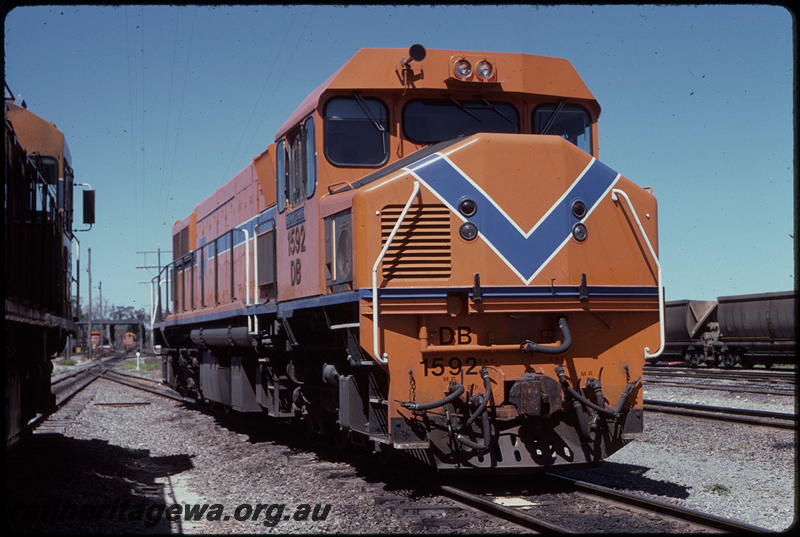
(275, 87)
(130, 105)
(169, 103)
(280, 79)
(180, 111)
(267, 79)
(144, 125)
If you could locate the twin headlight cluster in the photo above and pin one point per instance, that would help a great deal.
(483, 69)
(469, 231)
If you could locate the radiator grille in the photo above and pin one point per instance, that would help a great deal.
(180, 243)
(421, 247)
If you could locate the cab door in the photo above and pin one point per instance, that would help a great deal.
(298, 214)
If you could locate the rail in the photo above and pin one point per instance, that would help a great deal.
(614, 196)
(384, 358)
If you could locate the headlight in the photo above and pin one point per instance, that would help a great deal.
(468, 231)
(579, 232)
(484, 69)
(463, 69)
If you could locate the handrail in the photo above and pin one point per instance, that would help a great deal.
(614, 193)
(246, 266)
(376, 347)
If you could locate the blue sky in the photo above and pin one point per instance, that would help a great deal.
(162, 104)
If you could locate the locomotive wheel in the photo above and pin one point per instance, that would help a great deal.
(305, 429)
(341, 437)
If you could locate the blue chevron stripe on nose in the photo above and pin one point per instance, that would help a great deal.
(525, 253)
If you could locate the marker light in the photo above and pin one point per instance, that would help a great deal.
(468, 207)
(468, 231)
(462, 68)
(578, 209)
(484, 69)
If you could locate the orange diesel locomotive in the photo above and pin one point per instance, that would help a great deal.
(38, 271)
(429, 258)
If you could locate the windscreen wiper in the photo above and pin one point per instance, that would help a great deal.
(363, 104)
(552, 117)
(494, 108)
(464, 109)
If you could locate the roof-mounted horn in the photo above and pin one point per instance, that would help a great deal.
(416, 53)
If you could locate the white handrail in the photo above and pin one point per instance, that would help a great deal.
(246, 267)
(376, 347)
(614, 193)
(254, 328)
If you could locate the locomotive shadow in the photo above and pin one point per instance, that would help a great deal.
(629, 477)
(57, 484)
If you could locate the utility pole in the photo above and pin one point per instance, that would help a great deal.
(157, 291)
(157, 304)
(100, 314)
(89, 270)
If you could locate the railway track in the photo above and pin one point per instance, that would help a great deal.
(604, 508)
(779, 420)
(785, 375)
(634, 512)
(65, 387)
(781, 383)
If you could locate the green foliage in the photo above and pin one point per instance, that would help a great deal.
(717, 488)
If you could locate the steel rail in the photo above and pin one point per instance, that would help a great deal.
(162, 393)
(741, 415)
(789, 391)
(682, 513)
(506, 513)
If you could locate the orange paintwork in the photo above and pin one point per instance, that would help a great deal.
(265, 172)
(429, 324)
(37, 134)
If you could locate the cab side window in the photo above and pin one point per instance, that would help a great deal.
(572, 122)
(280, 173)
(296, 166)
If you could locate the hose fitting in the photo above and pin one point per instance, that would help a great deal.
(531, 347)
(487, 385)
(485, 431)
(455, 389)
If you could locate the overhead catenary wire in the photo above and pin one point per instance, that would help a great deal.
(278, 84)
(130, 106)
(180, 113)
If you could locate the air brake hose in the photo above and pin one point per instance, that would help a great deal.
(531, 347)
(604, 411)
(588, 433)
(456, 390)
(487, 384)
(485, 431)
(625, 393)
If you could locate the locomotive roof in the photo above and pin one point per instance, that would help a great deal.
(37, 134)
(375, 69)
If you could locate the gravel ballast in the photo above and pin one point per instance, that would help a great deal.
(157, 451)
(731, 470)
